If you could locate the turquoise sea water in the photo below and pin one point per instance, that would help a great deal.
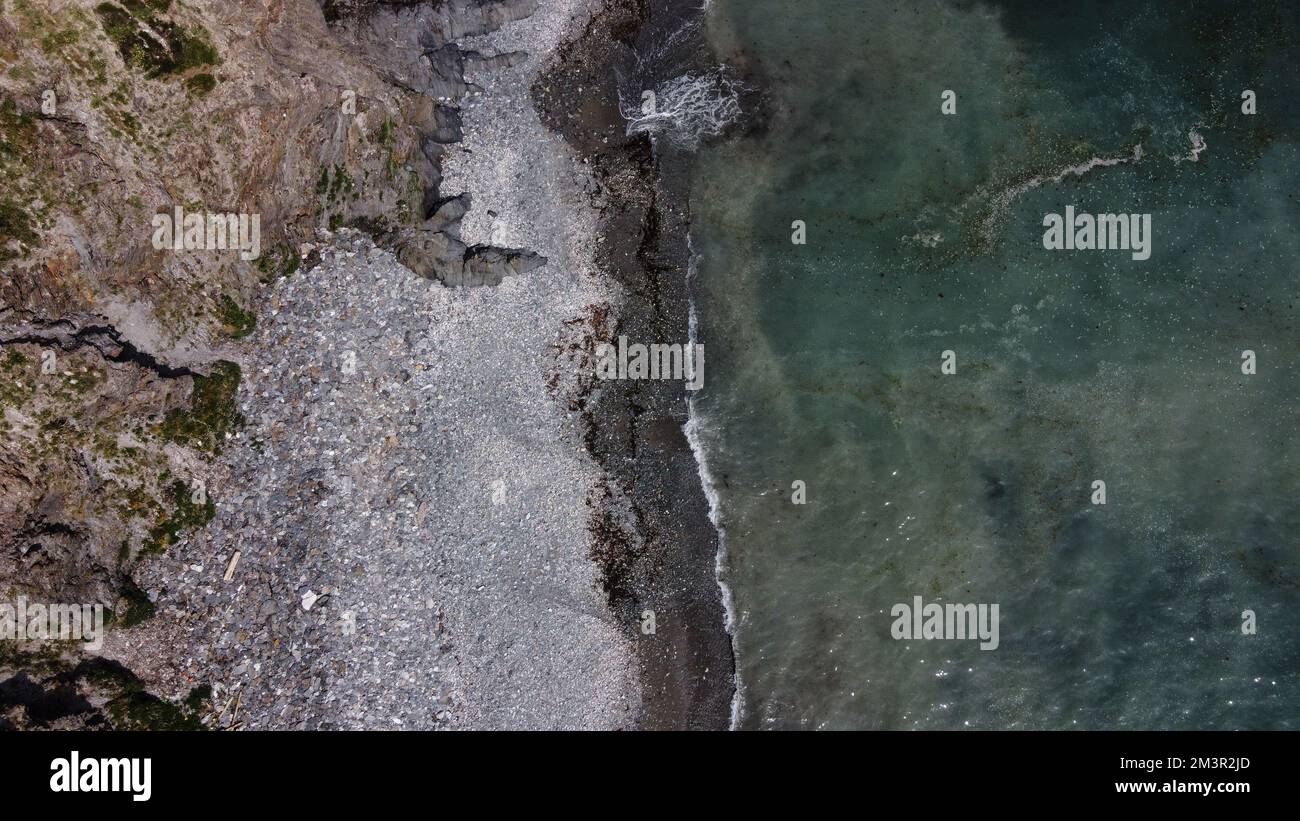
(924, 234)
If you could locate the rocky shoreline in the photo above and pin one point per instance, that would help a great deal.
(658, 550)
(417, 508)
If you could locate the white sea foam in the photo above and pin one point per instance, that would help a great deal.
(688, 109)
(692, 429)
(1198, 145)
(1002, 203)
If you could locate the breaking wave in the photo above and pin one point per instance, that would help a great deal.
(693, 431)
(688, 109)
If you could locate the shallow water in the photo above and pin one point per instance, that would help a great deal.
(924, 234)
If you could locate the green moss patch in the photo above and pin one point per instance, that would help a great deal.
(235, 321)
(342, 184)
(212, 412)
(279, 262)
(135, 709)
(138, 608)
(142, 711)
(128, 705)
(201, 84)
(16, 225)
(16, 385)
(18, 136)
(151, 43)
(187, 515)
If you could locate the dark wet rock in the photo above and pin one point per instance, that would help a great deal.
(447, 215)
(487, 265)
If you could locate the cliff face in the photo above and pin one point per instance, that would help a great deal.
(118, 360)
